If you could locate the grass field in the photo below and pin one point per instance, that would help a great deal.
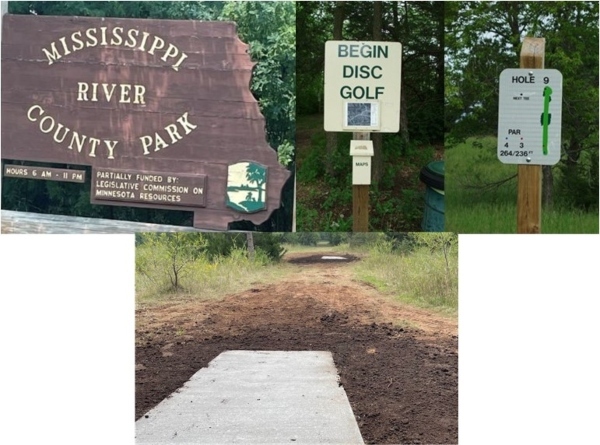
(471, 207)
(200, 278)
(420, 277)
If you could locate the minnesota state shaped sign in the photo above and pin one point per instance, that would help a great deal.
(160, 109)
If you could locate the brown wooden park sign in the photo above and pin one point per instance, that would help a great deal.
(160, 109)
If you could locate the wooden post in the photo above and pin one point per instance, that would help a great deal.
(529, 188)
(360, 197)
(294, 207)
(250, 242)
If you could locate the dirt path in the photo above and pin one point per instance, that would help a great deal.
(398, 365)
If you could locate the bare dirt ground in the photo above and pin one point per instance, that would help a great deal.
(398, 364)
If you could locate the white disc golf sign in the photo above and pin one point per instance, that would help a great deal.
(362, 86)
(529, 116)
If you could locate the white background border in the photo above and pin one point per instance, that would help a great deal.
(528, 343)
(67, 339)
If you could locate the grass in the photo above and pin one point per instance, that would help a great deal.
(418, 278)
(471, 208)
(502, 218)
(200, 279)
(406, 324)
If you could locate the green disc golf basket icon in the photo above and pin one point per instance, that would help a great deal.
(546, 118)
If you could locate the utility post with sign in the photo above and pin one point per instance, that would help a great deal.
(362, 95)
(529, 127)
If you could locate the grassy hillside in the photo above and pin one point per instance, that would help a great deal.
(481, 194)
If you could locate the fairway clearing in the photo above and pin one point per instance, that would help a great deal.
(397, 364)
(320, 258)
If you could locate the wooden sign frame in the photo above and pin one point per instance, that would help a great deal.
(152, 98)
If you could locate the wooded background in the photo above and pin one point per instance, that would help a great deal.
(484, 38)
(324, 167)
(453, 54)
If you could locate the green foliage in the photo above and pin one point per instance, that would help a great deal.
(269, 28)
(474, 175)
(302, 238)
(308, 238)
(397, 238)
(203, 279)
(314, 238)
(365, 240)
(269, 245)
(384, 246)
(324, 168)
(577, 183)
(434, 241)
(311, 54)
(221, 245)
(197, 263)
(444, 242)
(481, 193)
(173, 252)
(336, 238)
(290, 238)
(285, 154)
(417, 25)
(417, 268)
(313, 167)
(418, 276)
(325, 201)
(502, 218)
(484, 38)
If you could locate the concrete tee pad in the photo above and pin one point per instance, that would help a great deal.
(256, 397)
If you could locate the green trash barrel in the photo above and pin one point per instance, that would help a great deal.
(432, 175)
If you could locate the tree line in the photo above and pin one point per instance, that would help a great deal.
(484, 38)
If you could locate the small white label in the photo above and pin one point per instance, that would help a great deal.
(361, 170)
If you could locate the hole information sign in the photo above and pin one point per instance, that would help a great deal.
(529, 116)
(362, 86)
